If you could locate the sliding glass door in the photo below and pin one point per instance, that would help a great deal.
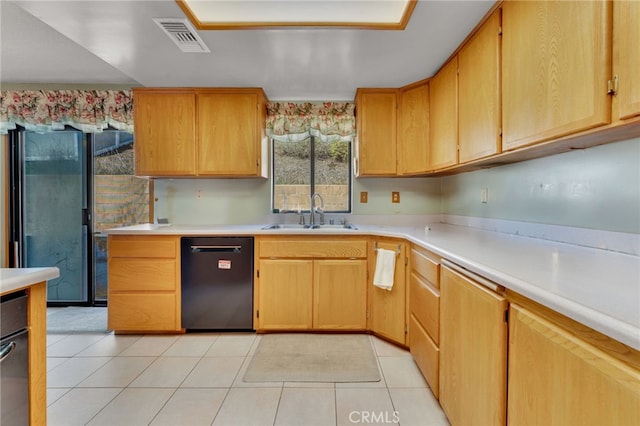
(55, 215)
(67, 187)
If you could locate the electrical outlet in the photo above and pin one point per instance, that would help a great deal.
(484, 195)
(364, 197)
(395, 197)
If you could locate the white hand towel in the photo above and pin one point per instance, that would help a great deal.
(385, 268)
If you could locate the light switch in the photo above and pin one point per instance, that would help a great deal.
(484, 195)
(364, 197)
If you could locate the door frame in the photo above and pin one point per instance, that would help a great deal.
(15, 211)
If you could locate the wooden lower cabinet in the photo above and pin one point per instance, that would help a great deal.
(286, 294)
(473, 351)
(426, 354)
(424, 314)
(425, 305)
(387, 308)
(311, 284)
(340, 294)
(555, 378)
(143, 312)
(144, 283)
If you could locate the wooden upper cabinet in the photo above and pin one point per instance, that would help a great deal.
(376, 115)
(230, 133)
(413, 129)
(556, 64)
(443, 139)
(626, 58)
(479, 93)
(200, 132)
(165, 133)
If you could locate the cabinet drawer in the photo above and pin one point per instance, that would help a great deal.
(142, 275)
(133, 312)
(426, 354)
(134, 246)
(424, 266)
(314, 247)
(425, 306)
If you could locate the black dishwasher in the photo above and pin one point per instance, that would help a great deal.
(14, 360)
(217, 283)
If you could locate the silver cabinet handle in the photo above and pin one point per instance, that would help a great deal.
(216, 247)
(475, 277)
(6, 349)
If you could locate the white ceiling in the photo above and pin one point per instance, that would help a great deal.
(116, 42)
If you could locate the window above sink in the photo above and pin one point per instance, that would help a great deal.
(310, 166)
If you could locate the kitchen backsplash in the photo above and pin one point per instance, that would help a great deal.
(595, 188)
(588, 197)
(240, 201)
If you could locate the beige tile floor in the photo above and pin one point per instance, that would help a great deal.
(196, 379)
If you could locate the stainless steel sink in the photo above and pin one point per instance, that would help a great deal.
(283, 226)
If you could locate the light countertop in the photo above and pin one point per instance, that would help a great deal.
(595, 287)
(13, 279)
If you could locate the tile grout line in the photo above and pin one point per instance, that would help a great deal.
(235, 381)
(105, 405)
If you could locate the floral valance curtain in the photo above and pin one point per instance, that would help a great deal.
(42, 111)
(295, 121)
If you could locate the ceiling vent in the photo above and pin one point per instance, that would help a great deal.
(183, 34)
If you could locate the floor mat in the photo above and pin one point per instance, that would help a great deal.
(313, 358)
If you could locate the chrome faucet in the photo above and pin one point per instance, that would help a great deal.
(315, 209)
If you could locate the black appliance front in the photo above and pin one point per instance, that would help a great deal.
(217, 283)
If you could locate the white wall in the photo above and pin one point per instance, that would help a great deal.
(212, 201)
(241, 201)
(595, 188)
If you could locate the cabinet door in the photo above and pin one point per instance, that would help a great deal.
(473, 352)
(340, 294)
(556, 63)
(425, 305)
(626, 57)
(388, 307)
(143, 274)
(443, 95)
(479, 93)
(285, 299)
(376, 126)
(164, 133)
(557, 379)
(426, 354)
(228, 134)
(413, 130)
(143, 311)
